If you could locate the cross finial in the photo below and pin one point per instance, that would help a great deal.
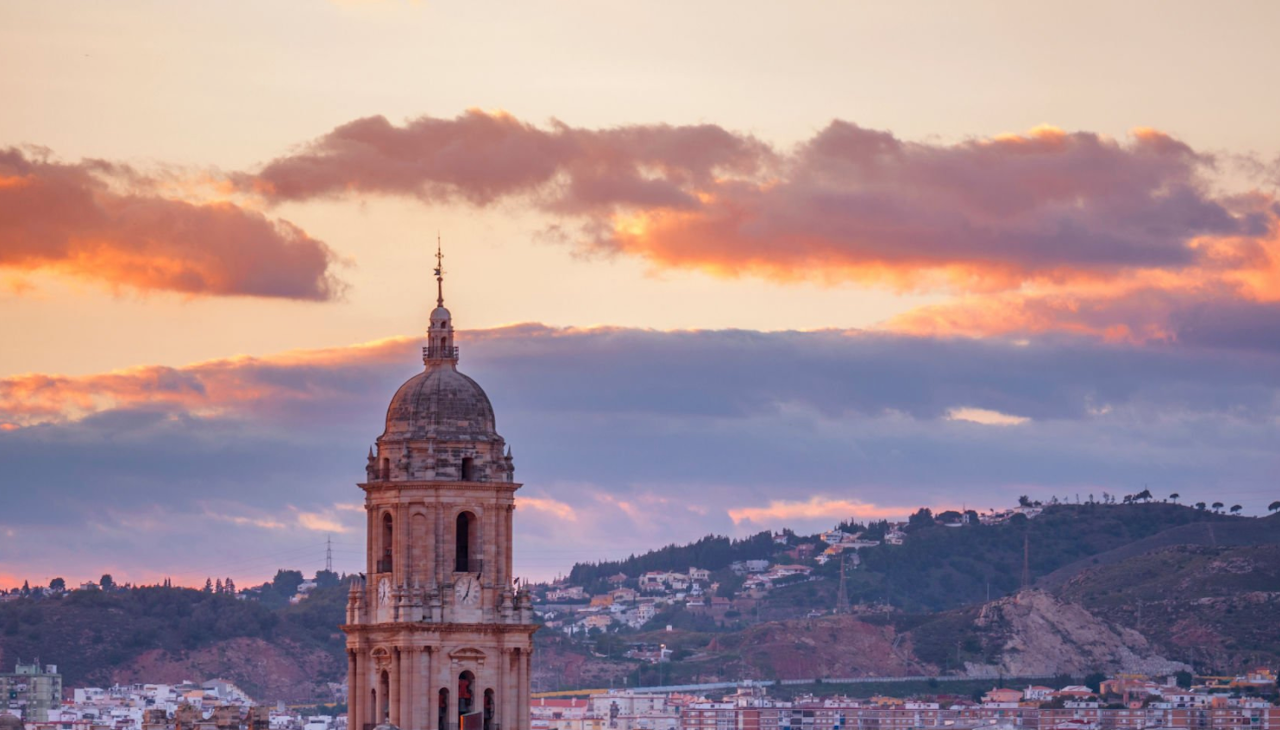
(439, 272)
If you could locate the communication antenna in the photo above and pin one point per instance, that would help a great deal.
(842, 597)
(328, 554)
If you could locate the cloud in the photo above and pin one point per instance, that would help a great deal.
(637, 438)
(826, 509)
(482, 158)
(550, 506)
(108, 223)
(286, 386)
(1205, 313)
(849, 204)
(985, 417)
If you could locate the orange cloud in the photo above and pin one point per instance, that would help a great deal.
(107, 223)
(780, 511)
(231, 386)
(1046, 207)
(548, 505)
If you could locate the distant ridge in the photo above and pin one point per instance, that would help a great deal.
(1260, 531)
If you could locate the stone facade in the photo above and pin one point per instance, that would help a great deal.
(438, 634)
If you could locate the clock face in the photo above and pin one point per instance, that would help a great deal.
(467, 590)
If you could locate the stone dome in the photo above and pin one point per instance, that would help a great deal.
(440, 403)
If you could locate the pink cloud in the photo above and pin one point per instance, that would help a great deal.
(850, 203)
(108, 223)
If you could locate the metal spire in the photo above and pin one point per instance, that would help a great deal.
(439, 273)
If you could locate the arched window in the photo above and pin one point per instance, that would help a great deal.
(384, 695)
(464, 539)
(388, 535)
(468, 469)
(466, 694)
(442, 709)
(488, 709)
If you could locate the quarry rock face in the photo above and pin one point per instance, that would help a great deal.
(1044, 636)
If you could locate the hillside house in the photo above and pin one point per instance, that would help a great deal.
(1001, 695)
(1037, 693)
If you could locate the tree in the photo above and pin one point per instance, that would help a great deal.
(57, 585)
(1174, 497)
(106, 582)
(1024, 501)
(1144, 495)
(950, 517)
(217, 587)
(229, 586)
(1200, 506)
(208, 585)
(922, 517)
(286, 582)
(26, 589)
(1217, 506)
(1274, 506)
(1235, 509)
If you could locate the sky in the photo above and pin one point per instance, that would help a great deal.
(721, 267)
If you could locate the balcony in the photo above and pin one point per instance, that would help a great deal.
(439, 352)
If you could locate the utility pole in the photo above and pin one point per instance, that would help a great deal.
(328, 554)
(842, 597)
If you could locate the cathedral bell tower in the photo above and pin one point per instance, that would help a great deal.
(439, 634)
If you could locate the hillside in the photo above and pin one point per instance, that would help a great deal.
(924, 601)
(941, 568)
(1119, 587)
(1210, 606)
(172, 634)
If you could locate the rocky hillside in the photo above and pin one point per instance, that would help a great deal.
(1209, 606)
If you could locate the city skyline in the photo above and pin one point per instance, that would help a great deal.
(806, 266)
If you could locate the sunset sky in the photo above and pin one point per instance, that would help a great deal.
(721, 266)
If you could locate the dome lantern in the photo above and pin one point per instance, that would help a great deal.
(440, 349)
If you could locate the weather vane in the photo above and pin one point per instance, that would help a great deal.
(439, 272)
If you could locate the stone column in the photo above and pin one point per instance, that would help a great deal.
(420, 692)
(353, 691)
(432, 689)
(451, 681)
(507, 541)
(527, 666)
(393, 689)
(399, 551)
(438, 508)
(504, 684)
(362, 689)
(491, 555)
(371, 543)
(513, 697)
(407, 693)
